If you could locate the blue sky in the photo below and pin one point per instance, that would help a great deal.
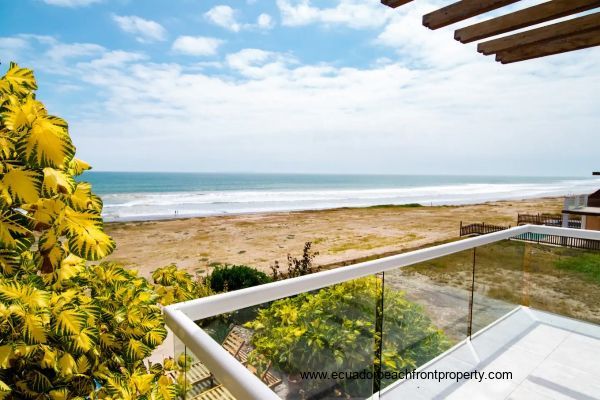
(298, 86)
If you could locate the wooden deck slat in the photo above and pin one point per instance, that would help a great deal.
(195, 374)
(216, 393)
(520, 19)
(394, 3)
(460, 11)
(563, 45)
(550, 32)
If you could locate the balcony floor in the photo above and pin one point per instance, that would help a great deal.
(550, 357)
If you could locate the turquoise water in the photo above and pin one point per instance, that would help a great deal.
(137, 195)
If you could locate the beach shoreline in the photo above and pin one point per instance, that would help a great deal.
(339, 235)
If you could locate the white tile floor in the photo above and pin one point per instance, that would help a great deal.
(550, 357)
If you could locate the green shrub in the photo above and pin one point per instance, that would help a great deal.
(233, 277)
(334, 330)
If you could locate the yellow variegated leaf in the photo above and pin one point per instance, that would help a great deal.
(46, 211)
(38, 381)
(83, 364)
(56, 181)
(19, 116)
(25, 350)
(111, 273)
(23, 185)
(9, 261)
(24, 294)
(86, 237)
(165, 389)
(120, 388)
(143, 382)
(69, 267)
(51, 251)
(15, 233)
(17, 80)
(47, 143)
(155, 336)
(84, 340)
(4, 390)
(136, 350)
(6, 355)
(70, 322)
(33, 329)
(77, 166)
(108, 341)
(49, 359)
(67, 365)
(83, 199)
(7, 147)
(59, 394)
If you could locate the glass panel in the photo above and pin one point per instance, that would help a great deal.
(192, 376)
(317, 345)
(500, 287)
(564, 280)
(181, 364)
(426, 312)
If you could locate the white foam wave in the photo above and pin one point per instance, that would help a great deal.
(133, 206)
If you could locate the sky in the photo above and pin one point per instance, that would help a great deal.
(332, 86)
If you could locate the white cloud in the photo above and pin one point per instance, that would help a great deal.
(145, 30)
(223, 16)
(12, 47)
(420, 46)
(259, 64)
(62, 52)
(264, 21)
(71, 3)
(227, 17)
(196, 45)
(352, 13)
(410, 112)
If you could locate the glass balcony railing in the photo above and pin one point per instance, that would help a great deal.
(360, 331)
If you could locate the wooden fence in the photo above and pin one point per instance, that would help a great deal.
(483, 228)
(546, 219)
(564, 241)
(480, 228)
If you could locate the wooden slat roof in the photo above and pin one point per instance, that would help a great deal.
(577, 33)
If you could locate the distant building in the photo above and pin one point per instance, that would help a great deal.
(586, 206)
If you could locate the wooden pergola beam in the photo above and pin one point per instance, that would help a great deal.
(395, 3)
(460, 11)
(569, 43)
(520, 19)
(550, 32)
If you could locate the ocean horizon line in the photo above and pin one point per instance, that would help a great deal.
(135, 196)
(500, 175)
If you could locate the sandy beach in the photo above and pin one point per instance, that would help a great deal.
(339, 235)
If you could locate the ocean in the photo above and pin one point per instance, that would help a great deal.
(146, 195)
